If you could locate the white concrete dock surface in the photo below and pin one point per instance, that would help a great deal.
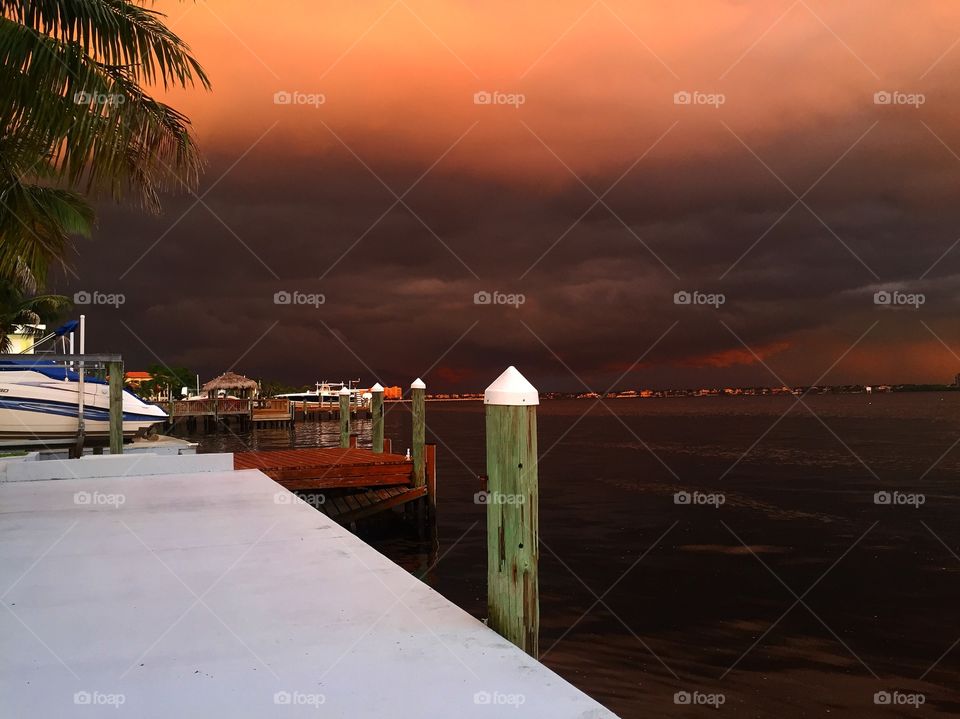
(214, 595)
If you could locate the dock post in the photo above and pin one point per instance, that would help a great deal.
(344, 417)
(115, 370)
(376, 411)
(512, 510)
(418, 392)
(431, 472)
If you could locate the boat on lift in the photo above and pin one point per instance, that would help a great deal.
(40, 403)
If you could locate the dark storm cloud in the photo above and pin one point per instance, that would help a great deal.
(500, 212)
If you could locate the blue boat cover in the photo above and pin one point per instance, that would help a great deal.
(47, 368)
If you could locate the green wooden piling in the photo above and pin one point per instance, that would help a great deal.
(115, 370)
(376, 412)
(418, 393)
(344, 417)
(512, 510)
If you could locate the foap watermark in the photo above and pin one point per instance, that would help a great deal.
(314, 500)
(896, 298)
(900, 499)
(284, 97)
(896, 97)
(99, 699)
(512, 299)
(99, 98)
(712, 299)
(896, 698)
(499, 699)
(99, 499)
(701, 499)
(110, 299)
(299, 699)
(484, 97)
(313, 299)
(695, 97)
(484, 497)
(698, 698)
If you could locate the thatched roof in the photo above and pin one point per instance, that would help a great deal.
(229, 380)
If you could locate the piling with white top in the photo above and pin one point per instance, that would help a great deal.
(376, 412)
(344, 417)
(418, 405)
(512, 500)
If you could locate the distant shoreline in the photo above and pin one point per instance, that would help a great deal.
(714, 392)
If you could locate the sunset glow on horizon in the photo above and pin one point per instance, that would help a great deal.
(597, 158)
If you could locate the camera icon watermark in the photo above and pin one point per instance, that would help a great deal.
(99, 499)
(897, 698)
(99, 699)
(299, 699)
(484, 497)
(289, 498)
(899, 499)
(511, 299)
(283, 297)
(514, 99)
(99, 98)
(484, 698)
(708, 499)
(896, 97)
(710, 299)
(109, 299)
(695, 97)
(896, 298)
(698, 698)
(313, 99)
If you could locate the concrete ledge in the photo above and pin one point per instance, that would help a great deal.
(97, 466)
(213, 595)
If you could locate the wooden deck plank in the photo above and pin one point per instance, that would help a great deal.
(394, 499)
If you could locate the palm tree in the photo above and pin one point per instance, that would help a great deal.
(76, 117)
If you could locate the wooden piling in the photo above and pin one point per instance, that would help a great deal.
(115, 370)
(512, 510)
(376, 410)
(431, 472)
(418, 394)
(344, 417)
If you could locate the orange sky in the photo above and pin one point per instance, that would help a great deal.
(598, 81)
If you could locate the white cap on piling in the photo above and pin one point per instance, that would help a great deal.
(377, 388)
(344, 390)
(511, 388)
(417, 384)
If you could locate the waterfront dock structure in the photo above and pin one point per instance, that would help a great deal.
(215, 593)
(353, 483)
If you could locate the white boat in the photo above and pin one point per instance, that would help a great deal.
(328, 393)
(39, 405)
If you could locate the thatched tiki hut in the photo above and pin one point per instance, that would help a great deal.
(231, 383)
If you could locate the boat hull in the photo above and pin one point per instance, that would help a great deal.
(35, 409)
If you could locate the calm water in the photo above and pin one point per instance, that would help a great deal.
(798, 596)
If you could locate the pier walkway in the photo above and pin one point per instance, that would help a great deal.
(218, 594)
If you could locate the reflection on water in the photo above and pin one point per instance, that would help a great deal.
(642, 597)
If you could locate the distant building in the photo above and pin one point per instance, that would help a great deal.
(135, 379)
(956, 380)
(392, 392)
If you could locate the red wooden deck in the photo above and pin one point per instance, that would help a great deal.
(328, 468)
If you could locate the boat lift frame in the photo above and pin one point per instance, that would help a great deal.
(112, 363)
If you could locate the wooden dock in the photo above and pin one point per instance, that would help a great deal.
(355, 483)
